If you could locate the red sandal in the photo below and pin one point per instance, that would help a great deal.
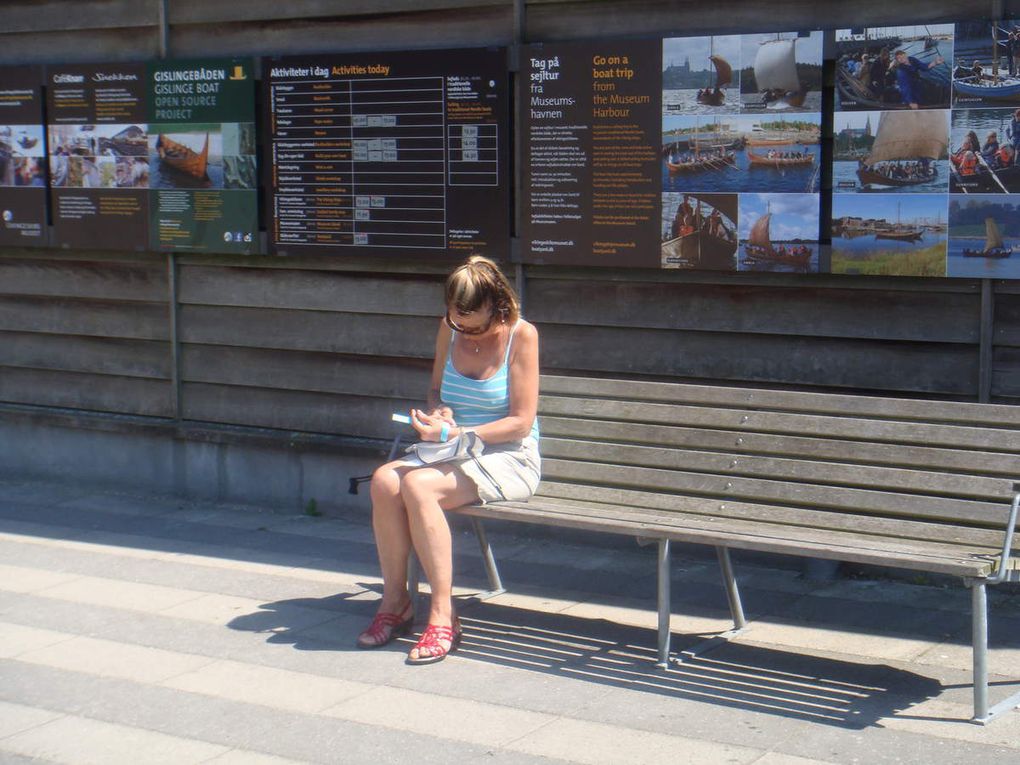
(438, 641)
(386, 627)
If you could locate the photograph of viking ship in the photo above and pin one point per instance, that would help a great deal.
(901, 67)
(781, 72)
(987, 68)
(889, 234)
(699, 231)
(186, 156)
(699, 73)
(908, 152)
(984, 144)
(779, 232)
(984, 237)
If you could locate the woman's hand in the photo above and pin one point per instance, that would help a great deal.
(430, 426)
(444, 413)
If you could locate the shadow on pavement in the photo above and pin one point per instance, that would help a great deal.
(772, 681)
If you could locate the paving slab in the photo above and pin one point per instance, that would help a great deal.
(226, 632)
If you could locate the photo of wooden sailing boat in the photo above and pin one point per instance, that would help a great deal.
(180, 158)
(994, 246)
(995, 78)
(907, 145)
(759, 248)
(775, 71)
(699, 73)
(715, 94)
(699, 231)
(984, 237)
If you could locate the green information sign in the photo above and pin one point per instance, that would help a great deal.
(202, 156)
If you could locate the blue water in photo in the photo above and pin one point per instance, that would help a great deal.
(981, 268)
(743, 177)
(862, 245)
(169, 178)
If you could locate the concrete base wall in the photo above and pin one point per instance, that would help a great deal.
(162, 460)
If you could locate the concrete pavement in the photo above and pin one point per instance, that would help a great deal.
(148, 629)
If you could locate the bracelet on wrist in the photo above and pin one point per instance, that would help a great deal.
(444, 432)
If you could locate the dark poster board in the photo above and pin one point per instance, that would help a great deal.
(591, 121)
(203, 173)
(156, 156)
(687, 152)
(402, 153)
(97, 138)
(22, 158)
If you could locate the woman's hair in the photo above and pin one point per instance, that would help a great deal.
(479, 281)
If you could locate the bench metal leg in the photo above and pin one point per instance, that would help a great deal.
(664, 604)
(495, 583)
(732, 593)
(979, 606)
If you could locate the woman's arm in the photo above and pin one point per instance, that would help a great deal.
(434, 398)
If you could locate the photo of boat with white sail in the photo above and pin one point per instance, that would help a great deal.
(984, 237)
(781, 72)
(700, 75)
(891, 151)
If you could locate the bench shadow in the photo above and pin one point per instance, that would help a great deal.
(729, 674)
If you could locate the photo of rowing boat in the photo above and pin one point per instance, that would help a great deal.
(991, 166)
(186, 156)
(728, 154)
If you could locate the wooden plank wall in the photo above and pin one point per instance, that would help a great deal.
(335, 345)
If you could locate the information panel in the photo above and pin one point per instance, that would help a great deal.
(156, 156)
(98, 155)
(202, 157)
(688, 152)
(22, 158)
(400, 152)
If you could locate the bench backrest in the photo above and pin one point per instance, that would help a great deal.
(813, 459)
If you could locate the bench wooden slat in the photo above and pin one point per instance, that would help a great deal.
(892, 455)
(775, 492)
(700, 531)
(552, 491)
(955, 436)
(993, 415)
(811, 471)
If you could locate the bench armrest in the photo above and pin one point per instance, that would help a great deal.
(1007, 543)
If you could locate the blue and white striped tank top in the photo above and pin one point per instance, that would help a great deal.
(476, 402)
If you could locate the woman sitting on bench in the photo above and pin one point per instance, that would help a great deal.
(484, 386)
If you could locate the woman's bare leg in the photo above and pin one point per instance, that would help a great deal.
(392, 535)
(426, 492)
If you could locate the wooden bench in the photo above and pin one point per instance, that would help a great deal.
(923, 485)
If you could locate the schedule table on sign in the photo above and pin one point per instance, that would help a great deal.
(366, 162)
